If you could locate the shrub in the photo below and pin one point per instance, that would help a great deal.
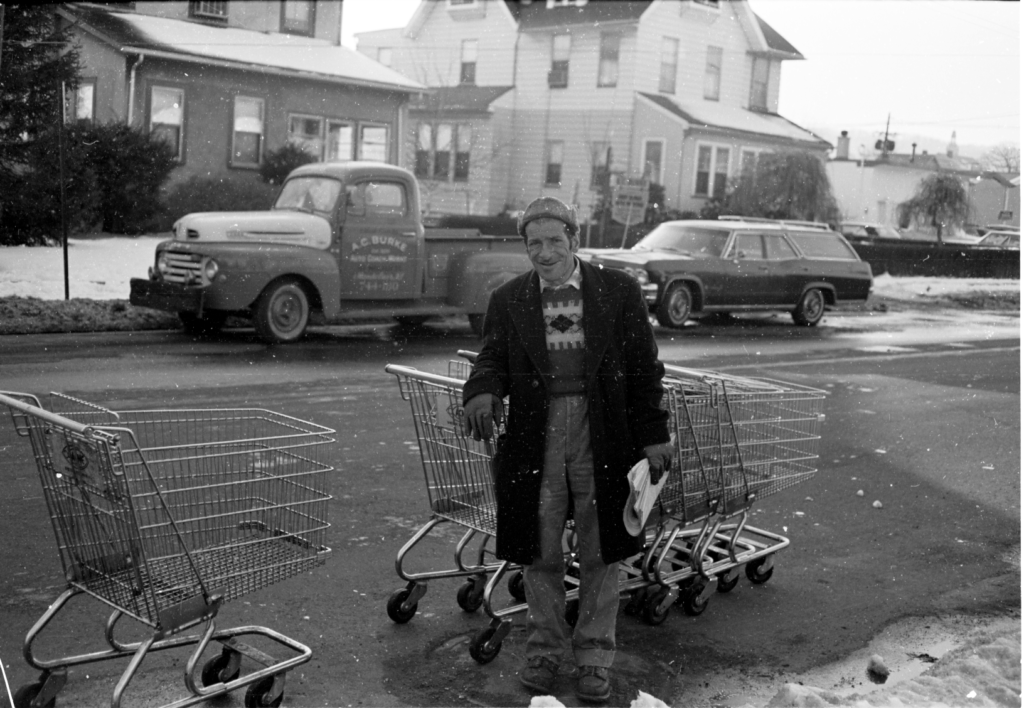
(214, 194)
(279, 163)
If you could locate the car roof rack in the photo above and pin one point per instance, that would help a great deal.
(820, 225)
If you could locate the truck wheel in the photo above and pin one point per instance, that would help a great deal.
(209, 323)
(810, 309)
(676, 306)
(282, 312)
(476, 323)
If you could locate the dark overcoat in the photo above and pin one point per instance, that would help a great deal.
(623, 387)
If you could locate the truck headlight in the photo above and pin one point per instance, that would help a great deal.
(161, 263)
(210, 269)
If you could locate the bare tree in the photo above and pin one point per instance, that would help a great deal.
(1003, 158)
(785, 185)
(941, 200)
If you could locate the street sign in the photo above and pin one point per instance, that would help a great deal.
(629, 199)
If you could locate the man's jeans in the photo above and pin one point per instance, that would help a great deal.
(569, 476)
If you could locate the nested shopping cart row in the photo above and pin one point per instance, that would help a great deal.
(738, 440)
(164, 516)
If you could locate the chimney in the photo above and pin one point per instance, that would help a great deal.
(913, 151)
(952, 150)
(843, 146)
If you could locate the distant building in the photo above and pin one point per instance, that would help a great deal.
(871, 189)
(682, 91)
(224, 82)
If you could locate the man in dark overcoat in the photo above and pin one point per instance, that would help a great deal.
(572, 348)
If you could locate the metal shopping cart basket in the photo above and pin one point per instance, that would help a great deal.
(165, 515)
(739, 440)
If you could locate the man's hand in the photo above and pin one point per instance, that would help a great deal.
(483, 413)
(659, 457)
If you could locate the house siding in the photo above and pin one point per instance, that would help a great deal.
(107, 68)
(256, 15)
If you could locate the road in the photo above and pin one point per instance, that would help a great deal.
(922, 415)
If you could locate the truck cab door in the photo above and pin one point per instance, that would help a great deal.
(381, 242)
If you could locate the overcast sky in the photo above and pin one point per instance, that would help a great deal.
(935, 65)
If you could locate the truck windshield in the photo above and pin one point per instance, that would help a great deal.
(689, 240)
(309, 194)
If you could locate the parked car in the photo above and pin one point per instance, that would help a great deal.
(865, 231)
(985, 230)
(734, 264)
(1001, 239)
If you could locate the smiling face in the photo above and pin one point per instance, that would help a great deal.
(550, 245)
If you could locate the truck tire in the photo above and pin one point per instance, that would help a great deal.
(282, 312)
(810, 309)
(209, 323)
(676, 306)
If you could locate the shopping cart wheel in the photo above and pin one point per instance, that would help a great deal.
(728, 579)
(482, 649)
(758, 571)
(654, 612)
(221, 668)
(692, 597)
(395, 610)
(572, 612)
(469, 597)
(516, 588)
(258, 694)
(24, 696)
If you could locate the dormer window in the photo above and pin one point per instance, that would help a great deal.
(460, 4)
(208, 11)
(298, 17)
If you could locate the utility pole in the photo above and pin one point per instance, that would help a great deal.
(63, 210)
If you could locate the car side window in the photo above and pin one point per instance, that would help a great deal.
(778, 249)
(747, 247)
(825, 245)
(376, 198)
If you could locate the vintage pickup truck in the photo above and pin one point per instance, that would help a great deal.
(344, 241)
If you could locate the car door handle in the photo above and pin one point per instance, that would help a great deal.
(408, 233)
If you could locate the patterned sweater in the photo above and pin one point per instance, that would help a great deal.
(563, 331)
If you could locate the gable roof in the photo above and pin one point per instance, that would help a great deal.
(314, 59)
(537, 15)
(737, 120)
(776, 42)
(471, 99)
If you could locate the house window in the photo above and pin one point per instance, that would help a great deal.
(707, 3)
(208, 10)
(759, 84)
(298, 17)
(565, 3)
(247, 135)
(463, 143)
(669, 61)
(85, 101)
(167, 117)
(558, 77)
(442, 151)
(653, 151)
(467, 70)
(553, 163)
(384, 55)
(599, 164)
(424, 145)
(461, 3)
(712, 171)
(608, 68)
(713, 74)
(340, 141)
(373, 143)
(308, 133)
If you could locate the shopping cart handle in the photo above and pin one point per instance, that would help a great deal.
(418, 375)
(468, 355)
(6, 398)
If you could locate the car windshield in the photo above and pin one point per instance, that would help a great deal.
(309, 194)
(689, 240)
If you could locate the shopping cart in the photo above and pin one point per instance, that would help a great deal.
(460, 490)
(165, 515)
(739, 440)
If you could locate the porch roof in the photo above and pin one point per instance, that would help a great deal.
(734, 119)
(469, 99)
(195, 42)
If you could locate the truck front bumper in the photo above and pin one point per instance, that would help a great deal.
(170, 297)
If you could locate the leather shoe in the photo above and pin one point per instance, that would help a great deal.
(539, 675)
(592, 684)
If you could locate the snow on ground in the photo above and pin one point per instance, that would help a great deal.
(100, 268)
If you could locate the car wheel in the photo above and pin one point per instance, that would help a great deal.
(810, 309)
(282, 312)
(676, 306)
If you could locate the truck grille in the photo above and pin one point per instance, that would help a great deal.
(183, 268)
